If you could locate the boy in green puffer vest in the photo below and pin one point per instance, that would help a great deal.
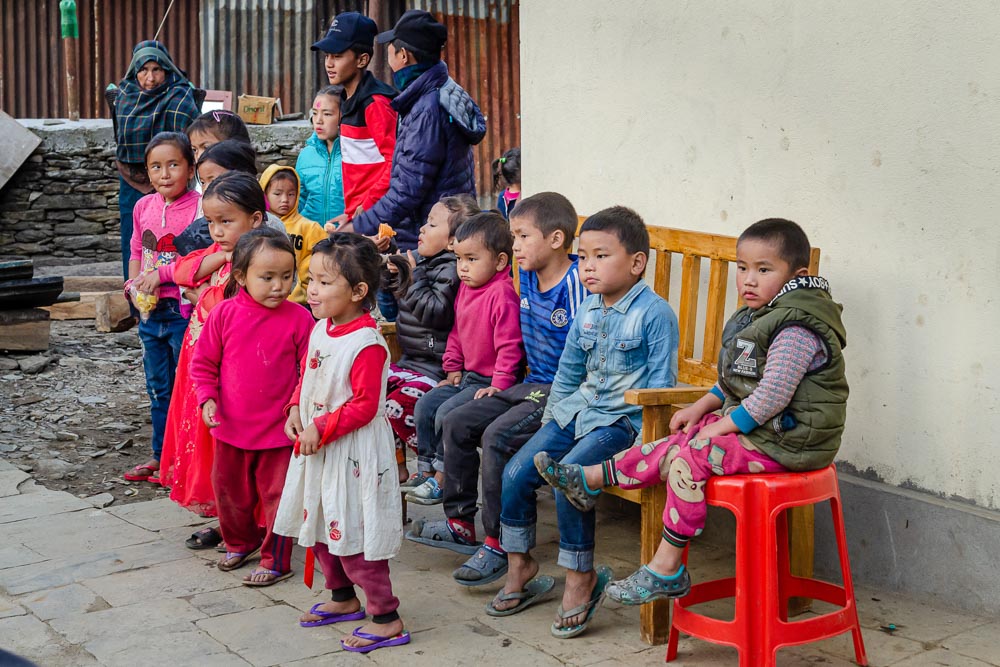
(782, 392)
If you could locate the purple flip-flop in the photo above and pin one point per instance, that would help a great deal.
(380, 642)
(326, 618)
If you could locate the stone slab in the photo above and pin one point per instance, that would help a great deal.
(9, 481)
(63, 601)
(64, 535)
(29, 638)
(230, 601)
(44, 503)
(134, 619)
(439, 646)
(173, 579)
(271, 636)
(941, 657)
(981, 642)
(17, 555)
(176, 644)
(62, 571)
(156, 514)
(10, 608)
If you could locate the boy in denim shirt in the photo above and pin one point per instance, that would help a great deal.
(624, 337)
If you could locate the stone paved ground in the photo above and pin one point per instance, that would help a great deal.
(85, 586)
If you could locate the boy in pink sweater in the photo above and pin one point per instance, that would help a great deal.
(484, 355)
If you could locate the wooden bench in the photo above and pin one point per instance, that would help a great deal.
(696, 374)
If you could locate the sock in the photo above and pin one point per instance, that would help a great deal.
(665, 577)
(609, 472)
(494, 544)
(464, 532)
(672, 538)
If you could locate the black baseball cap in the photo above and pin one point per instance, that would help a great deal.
(418, 29)
(346, 30)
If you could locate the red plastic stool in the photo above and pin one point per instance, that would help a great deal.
(763, 582)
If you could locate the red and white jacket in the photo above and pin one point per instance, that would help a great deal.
(367, 140)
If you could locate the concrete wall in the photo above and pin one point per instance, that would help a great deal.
(61, 207)
(872, 124)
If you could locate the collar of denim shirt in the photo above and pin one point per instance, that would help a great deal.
(623, 303)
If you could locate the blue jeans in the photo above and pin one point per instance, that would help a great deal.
(387, 305)
(521, 480)
(162, 336)
(431, 409)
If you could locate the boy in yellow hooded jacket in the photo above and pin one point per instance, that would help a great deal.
(281, 187)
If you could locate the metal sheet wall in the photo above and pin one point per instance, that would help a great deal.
(483, 54)
(32, 68)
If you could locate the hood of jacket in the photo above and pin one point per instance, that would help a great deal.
(368, 87)
(265, 179)
(462, 111)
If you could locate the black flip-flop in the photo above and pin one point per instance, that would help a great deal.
(206, 538)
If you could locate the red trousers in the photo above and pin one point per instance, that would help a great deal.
(242, 478)
(371, 575)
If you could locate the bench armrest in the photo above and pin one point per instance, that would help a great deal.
(387, 328)
(670, 396)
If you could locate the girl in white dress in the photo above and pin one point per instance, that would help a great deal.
(341, 494)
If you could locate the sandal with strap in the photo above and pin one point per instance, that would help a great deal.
(644, 586)
(604, 575)
(234, 560)
(206, 538)
(568, 479)
(534, 591)
(142, 473)
(486, 566)
(275, 575)
(438, 534)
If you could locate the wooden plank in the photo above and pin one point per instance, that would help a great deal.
(25, 330)
(111, 312)
(83, 309)
(92, 283)
(661, 277)
(690, 279)
(715, 307)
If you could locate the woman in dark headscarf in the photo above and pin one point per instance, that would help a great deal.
(155, 96)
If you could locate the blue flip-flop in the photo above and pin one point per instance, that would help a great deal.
(378, 642)
(604, 576)
(327, 618)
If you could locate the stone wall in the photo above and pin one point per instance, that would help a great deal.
(61, 206)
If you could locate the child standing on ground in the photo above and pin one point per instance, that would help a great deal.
(507, 171)
(242, 383)
(281, 187)
(624, 337)
(233, 204)
(157, 219)
(341, 496)
(319, 162)
(426, 317)
(544, 227)
(484, 354)
(782, 393)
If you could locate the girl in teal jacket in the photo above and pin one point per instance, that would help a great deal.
(319, 163)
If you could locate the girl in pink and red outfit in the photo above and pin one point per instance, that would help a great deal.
(245, 366)
(341, 493)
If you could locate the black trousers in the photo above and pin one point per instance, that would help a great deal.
(502, 423)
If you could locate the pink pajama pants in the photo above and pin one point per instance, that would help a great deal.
(685, 463)
(343, 572)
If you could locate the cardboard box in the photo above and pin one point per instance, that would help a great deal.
(255, 110)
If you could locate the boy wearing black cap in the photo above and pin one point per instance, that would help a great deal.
(368, 121)
(438, 125)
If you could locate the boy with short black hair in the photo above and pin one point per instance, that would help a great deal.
(544, 227)
(624, 337)
(484, 354)
(782, 391)
(368, 121)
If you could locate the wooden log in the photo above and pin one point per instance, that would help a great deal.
(112, 312)
(25, 330)
(92, 283)
(83, 308)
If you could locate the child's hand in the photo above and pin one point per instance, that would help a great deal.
(309, 440)
(337, 224)
(147, 282)
(685, 418)
(228, 256)
(382, 242)
(411, 259)
(724, 426)
(293, 425)
(208, 413)
(453, 378)
(192, 294)
(486, 392)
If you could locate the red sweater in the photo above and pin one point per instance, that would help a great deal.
(247, 361)
(367, 141)
(486, 338)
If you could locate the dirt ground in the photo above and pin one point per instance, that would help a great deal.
(77, 416)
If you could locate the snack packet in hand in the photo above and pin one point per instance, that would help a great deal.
(144, 303)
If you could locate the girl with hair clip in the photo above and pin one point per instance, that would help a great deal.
(507, 171)
(242, 383)
(341, 493)
(234, 205)
(214, 127)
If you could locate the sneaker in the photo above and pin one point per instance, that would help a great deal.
(428, 493)
(416, 479)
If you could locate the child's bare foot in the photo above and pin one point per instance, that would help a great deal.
(331, 607)
(579, 590)
(385, 630)
(521, 568)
